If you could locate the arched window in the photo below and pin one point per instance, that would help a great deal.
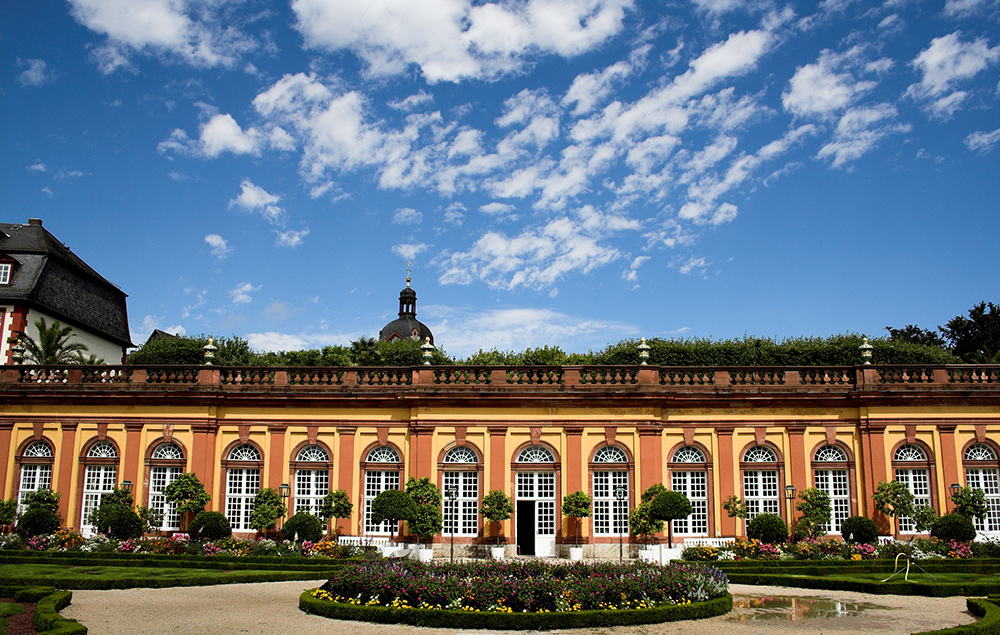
(243, 466)
(382, 471)
(760, 482)
(913, 470)
(981, 472)
(36, 470)
(689, 476)
(535, 504)
(312, 478)
(609, 473)
(461, 474)
(99, 478)
(831, 475)
(166, 463)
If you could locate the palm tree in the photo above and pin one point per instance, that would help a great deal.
(53, 347)
(365, 352)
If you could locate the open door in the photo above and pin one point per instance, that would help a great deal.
(526, 528)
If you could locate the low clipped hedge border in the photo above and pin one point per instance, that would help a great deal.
(231, 563)
(96, 584)
(857, 566)
(513, 621)
(989, 623)
(48, 602)
(901, 587)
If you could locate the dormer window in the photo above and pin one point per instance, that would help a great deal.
(5, 268)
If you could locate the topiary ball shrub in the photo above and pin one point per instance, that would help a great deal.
(954, 527)
(120, 523)
(210, 526)
(37, 522)
(859, 530)
(302, 527)
(768, 528)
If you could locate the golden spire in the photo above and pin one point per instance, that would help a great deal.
(408, 263)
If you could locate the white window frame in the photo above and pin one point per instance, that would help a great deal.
(311, 485)
(694, 485)
(916, 479)
(836, 482)
(34, 476)
(242, 484)
(159, 477)
(99, 479)
(984, 475)
(761, 486)
(461, 516)
(378, 481)
(5, 271)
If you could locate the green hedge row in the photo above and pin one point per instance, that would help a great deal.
(48, 602)
(822, 568)
(989, 623)
(152, 560)
(901, 587)
(512, 621)
(92, 584)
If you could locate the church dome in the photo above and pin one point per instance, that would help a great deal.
(406, 326)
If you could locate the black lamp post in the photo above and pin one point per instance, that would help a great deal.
(955, 490)
(790, 494)
(127, 487)
(621, 492)
(451, 493)
(285, 491)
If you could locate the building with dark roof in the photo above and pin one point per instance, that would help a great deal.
(406, 326)
(41, 278)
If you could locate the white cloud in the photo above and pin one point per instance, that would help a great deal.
(36, 73)
(274, 341)
(945, 62)
(413, 102)
(981, 141)
(220, 248)
(450, 40)
(221, 134)
(503, 211)
(290, 238)
(254, 198)
(632, 273)
(590, 89)
(198, 33)
(38, 167)
(409, 251)
(964, 8)
(693, 265)
(241, 294)
(859, 131)
(407, 216)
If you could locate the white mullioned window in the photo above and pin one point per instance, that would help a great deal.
(985, 478)
(461, 516)
(610, 514)
(5, 272)
(694, 485)
(378, 481)
(540, 487)
(36, 470)
(836, 483)
(311, 485)
(916, 479)
(760, 487)
(98, 480)
(242, 485)
(159, 477)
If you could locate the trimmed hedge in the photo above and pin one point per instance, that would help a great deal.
(229, 563)
(513, 621)
(902, 587)
(96, 584)
(48, 602)
(989, 624)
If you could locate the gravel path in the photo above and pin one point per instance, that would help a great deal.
(272, 609)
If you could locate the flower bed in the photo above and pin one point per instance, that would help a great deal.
(834, 549)
(640, 593)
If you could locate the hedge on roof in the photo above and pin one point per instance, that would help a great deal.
(513, 621)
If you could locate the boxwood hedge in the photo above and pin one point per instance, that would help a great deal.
(513, 621)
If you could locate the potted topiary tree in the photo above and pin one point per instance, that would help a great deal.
(267, 509)
(392, 506)
(187, 492)
(497, 507)
(814, 505)
(668, 507)
(643, 524)
(577, 506)
(426, 521)
(336, 504)
(894, 500)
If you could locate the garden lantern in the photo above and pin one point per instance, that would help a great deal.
(955, 490)
(451, 493)
(621, 493)
(790, 494)
(284, 490)
(127, 487)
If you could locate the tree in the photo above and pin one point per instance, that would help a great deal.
(736, 508)
(190, 351)
(426, 521)
(392, 506)
(53, 347)
(115, 517)
(641, 522)
(815, 507)
(267, 509)
(893, 499)
(8, 513)
(336, 504)
(577, 506)
(668, 507)
(970, 503)
(497, 507)
(188, 493)
(365, 352)
(975, 339)
(915, 335)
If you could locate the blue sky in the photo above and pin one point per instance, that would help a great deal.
(569, 172)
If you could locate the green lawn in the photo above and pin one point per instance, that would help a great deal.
(917, 576)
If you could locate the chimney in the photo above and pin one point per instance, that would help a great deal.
(35, 221)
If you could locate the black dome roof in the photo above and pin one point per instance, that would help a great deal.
(406, 326)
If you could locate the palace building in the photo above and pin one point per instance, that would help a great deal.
(536, 433)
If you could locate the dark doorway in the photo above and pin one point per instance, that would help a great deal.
(526, 528)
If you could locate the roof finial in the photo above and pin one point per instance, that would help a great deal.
(408, 263)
